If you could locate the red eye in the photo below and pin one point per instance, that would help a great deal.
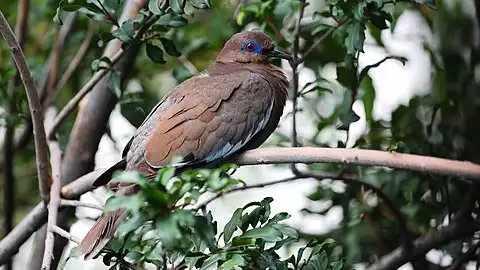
(250, 46)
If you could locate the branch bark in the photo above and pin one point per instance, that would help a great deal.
(34, 105)
(309, 155)
(55, 160)
(423, 244)
(8, 145)
(9, 245)
(91, 121)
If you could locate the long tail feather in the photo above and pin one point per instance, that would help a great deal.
(99, 235)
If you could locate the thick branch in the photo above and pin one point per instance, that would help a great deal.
(8, 145)
(309, 155)
(34, 105)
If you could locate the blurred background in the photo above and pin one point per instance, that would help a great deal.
(429, 104)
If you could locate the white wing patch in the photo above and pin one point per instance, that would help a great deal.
(229, 149)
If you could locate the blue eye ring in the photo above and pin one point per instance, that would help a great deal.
(251, 46)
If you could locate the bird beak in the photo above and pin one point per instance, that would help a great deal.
(279, 54)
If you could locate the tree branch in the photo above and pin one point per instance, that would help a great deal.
(65, 234)
(8, 145)
(310, 155)
(407, 237)
(34, 105)
(423, 244)
(75, 203)
(74, 63)
(73, 103)
(9, 245)
(55, 160)
(294, 64)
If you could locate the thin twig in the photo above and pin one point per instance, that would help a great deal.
(65, 234)
(34, 105)
(55, 160)
(402, 221)
(76, 203)
(245, 187)
(187, 64)
(422, 245)
(74, 63)
(72, 104)
(294, 64)
(465, 257)
(315, 44)
(54, 64)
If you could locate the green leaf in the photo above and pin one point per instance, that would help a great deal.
(114, 83)
(232, 224)
(318, 262)
(155, 53)
(164, 175)
(212, 260)
(235, 260)
(337, 265)
(368, 97)
(133, 177)
(286, 230)
(178, 6)
(96, 64)
(200, 4)
(279, 217)
(119, 202)
(172, 20)
(267, 233)
(355, 37)
(169, 47)
(154, 6)
(125, 32)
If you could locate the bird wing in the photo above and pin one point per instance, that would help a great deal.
(210, 117)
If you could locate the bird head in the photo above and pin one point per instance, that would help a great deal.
(250, 47)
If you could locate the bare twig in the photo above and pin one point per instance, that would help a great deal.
(423, 244)
(54, 64)
(8, 145)
(402, 221)
(76, 203)
(72, 104)
(23, 136)
(465, 256)
(315, 44)
(65, 234)
(294, 64)
(72, 67)
(188, 65)
(322, 175)
(34, 105)
(55, 160)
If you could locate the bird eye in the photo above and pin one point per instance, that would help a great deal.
(250, 46)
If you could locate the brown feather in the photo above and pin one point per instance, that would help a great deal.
(225, 110)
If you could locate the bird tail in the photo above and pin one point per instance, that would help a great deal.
(99, 235)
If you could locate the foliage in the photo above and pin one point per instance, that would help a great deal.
(165, 229)
(163, 232)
